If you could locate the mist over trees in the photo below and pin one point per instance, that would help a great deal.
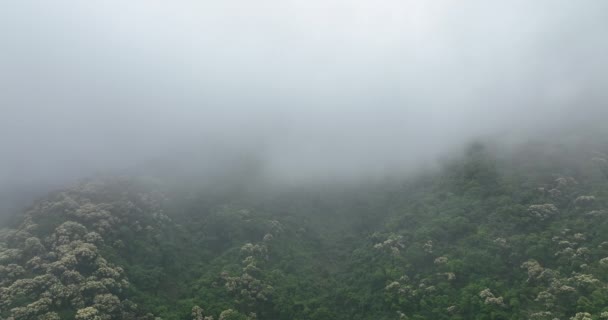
(309, 88)
(489, 235)
(292, 160)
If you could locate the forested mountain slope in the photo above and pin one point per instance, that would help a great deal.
(489, 236)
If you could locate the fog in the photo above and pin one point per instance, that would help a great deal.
(308, 88)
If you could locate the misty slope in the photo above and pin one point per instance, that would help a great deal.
(518, 236)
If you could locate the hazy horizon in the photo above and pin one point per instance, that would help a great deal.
(308, 88)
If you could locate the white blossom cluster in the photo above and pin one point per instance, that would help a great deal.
(393, 245)
(542, 211)
(406, 288)
(546, 298)
(257, 251)
(231, 314)
(101, 206)
(490, 299)
(557, 287)
(43, 271)
(450, 276)
(588, 316)
(582, 316)
(584, 280)
(542, 315)
(452, 309)
(561, 188)
(71, 273)
(564, 182)
(571, 246)
(596, 213)
(441, 260)
(199, 314)
(428, 246)
(402, 287)
(535, 270)
(584, 201)
(501, 242)
(247, 288)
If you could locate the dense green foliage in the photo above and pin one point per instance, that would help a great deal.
(523, 236)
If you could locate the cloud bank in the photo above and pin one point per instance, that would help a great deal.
(311, 87)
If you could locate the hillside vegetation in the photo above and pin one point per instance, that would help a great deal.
(489, 236)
